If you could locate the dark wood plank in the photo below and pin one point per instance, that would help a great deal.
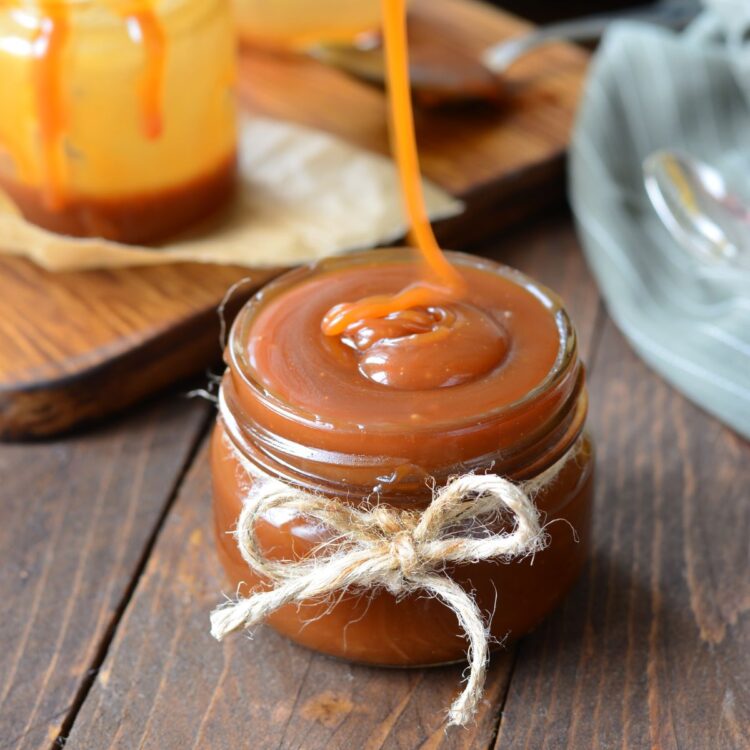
(82, 344)
(653, 647)
(75, 520)
(166, 683)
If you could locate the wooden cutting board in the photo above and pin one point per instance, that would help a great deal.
(76, 346)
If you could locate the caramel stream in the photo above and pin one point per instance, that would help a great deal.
(48, 74)
(444, 283)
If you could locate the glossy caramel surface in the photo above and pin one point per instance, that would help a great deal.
(445, 362)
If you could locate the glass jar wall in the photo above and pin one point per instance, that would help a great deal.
(356, 448)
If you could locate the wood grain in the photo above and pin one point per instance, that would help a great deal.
(269, 693)
(652, 649)
(649, 651)
(167, 684)
(79, 345)
(76, 518)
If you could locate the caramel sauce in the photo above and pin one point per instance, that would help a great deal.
(49, 47)
(488, 351)
(49, 75)
(145, 29)
(140, 219)
(311, 410)
(397, 334)
(444, 283)
(460, 343)
(394, 350)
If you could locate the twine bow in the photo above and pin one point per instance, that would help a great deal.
(400, 550)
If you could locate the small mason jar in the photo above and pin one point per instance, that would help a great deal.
(117, 119)
(296, 24)
(261, 434)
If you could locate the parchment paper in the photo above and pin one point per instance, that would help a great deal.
(303, 195)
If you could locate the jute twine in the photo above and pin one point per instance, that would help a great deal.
(402, 551)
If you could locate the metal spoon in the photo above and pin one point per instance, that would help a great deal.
(441, 70)
(673, 14)
(444, 72)
(698, 208)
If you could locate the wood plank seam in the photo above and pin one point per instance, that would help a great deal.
(103, 647)
(501, 705)
(593, 348)
(651, 648)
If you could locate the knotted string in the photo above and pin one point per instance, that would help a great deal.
(404, 551)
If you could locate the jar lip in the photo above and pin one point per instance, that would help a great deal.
(236, 350)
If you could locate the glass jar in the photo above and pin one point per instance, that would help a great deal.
(301, 23)
(117, 119)
(260, 434)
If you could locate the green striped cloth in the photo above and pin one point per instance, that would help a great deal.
(650, 89)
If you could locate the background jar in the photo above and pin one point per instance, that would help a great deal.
(117, 119)
(259, 435)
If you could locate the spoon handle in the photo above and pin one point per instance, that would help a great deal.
(670, 13)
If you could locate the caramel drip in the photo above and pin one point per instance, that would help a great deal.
(48, 76)
(445, 283)
(144, 28)
(49, 46)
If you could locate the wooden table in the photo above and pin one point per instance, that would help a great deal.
(108, 574)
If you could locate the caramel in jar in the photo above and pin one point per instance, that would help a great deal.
(488, 383)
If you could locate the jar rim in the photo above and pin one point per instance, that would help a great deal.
(236, 350)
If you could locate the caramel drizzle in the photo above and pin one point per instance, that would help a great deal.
(144, 28)
(48, 77)
(445, 282)
(48, 49)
